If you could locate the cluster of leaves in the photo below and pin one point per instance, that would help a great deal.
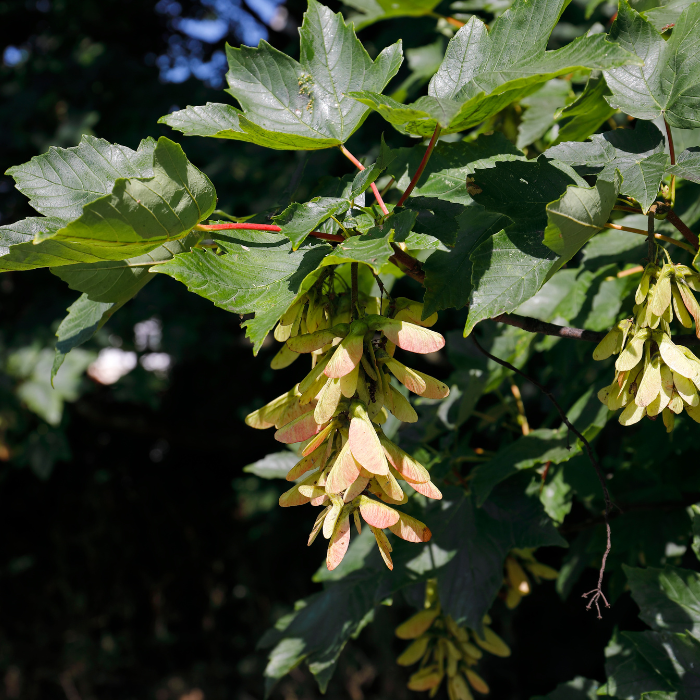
(498, 227)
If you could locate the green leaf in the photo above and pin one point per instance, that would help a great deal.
(542, 106)
(450, 163)
(577, 216)
(508, 268)
(287, 104)
(274, 466)
(448, 274)
(84, 319)
(485, 71)
(667, 15)
(539, 446)
(372, 248)
(667, 84)
(257, 273)
(62, 180)
(669, 598)
(695, 510)
(319, 628)
(587, 113)
(32, 367)
(638, 154)
(687, 165)
(579, 688)
(18, 251)
(659, 663)
(469, 552)
(522, 189)
(114, 281)
(371, 11)
(213, 119)
(142, 213)
(297, 221)
(107, 286)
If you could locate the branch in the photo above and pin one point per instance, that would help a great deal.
(685, 231)
(413, 267)
(532, 325)
(421, 167)
(265, 227)
(597, 593)
(658, 236)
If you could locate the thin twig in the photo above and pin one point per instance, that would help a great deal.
(522, 416)
(264, 227)
(421, 167)
(597, 593)
(658, 236)
(361, 167)
(630, 271)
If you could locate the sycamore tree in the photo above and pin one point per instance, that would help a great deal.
(550, 195)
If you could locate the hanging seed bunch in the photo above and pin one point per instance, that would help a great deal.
(349, 467)
(444, 649)
(520, 563)
(653, 375)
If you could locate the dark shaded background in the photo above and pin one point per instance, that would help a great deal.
(146, 564)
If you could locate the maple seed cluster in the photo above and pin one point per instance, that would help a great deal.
(349, 466)
(653, 375)
(444, 648)
(520, 563)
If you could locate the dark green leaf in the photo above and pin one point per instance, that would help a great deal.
(659, 661)
(448, 273)
(639, 155)
(669, 598)
(450, 163)
(667, 84)
(696, 530)
(508, 269)
(480, 539)
(538, 447)
(522, 189)
(579, 688)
